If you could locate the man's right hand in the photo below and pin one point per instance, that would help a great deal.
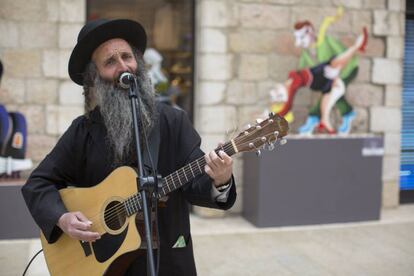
(77, 226)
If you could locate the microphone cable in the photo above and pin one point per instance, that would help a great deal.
(27, 267)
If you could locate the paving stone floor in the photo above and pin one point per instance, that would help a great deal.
(232, 246)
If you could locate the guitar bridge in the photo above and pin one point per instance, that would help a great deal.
(86, 246)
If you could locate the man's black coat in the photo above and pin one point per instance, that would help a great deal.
(81, 159)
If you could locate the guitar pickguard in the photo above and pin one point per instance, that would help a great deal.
(108, 245)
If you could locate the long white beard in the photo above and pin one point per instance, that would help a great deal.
(115, 108)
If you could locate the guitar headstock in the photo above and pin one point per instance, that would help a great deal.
(267, 132)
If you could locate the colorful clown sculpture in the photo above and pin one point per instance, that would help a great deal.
(324, 77)
(320, 49)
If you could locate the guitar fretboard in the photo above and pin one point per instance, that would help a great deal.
(176, 179)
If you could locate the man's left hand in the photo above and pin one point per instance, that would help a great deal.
(219, 167)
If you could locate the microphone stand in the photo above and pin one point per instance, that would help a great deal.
(144, 184)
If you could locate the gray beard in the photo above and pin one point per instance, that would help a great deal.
(115, 108)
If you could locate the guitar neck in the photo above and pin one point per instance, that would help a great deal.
(177, 179)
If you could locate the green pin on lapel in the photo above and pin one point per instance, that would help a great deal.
(180, 243)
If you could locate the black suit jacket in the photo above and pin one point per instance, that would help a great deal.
(81, 158)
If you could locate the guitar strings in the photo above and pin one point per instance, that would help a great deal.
(113, 213)
(136, 198)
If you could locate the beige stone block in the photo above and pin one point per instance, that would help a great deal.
(210, 92)
(52, 9)
(41, 91)
(386, 23)
(393, 95)
(396, 5)
(249, 41)
(72, 10)
(392, 123)
(237, 208)
(60, 117)
(285, 44)
(22, 63)
(402, 24)
(66, 115)
(263, 89)
(390, 194)
(364, 70)
(279, 66)
(50, 63)
(70, 93)
(39, 145)
(253, 67)
(317, 13)
(392, 143)
(241, 92)
(210, 141)
(216, 67)
(216, 14)
(217, 119)
(365, 94)
(361, 122)
(12, 91)
(352, 4)
(248, 114)
(22, 10)
(361, 19)
(212, 41)
(52, 119)
(64, 56)
(9, 34)
(238, 172)
(395, 47)
(284, 2)
(68, 35)
(387, 71)
(35, 117)
(38, 35)
(375, 47)
(264, 16)
(391, 167)
(374, 4)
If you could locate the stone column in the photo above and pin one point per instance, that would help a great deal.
(387, 71)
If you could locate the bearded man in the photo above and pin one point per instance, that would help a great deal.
(102, 140)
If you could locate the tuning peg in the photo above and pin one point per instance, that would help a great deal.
(258, 153)
(258, 120)
(283, 141)
(271, 114)
(270, 146)
(248, 126)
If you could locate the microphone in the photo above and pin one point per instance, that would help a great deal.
(125, 80)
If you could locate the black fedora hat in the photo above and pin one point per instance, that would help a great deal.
(96, 32)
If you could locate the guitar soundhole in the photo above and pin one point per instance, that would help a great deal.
(115, 215)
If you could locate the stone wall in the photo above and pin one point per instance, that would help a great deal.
(245, 46)
(36, 41)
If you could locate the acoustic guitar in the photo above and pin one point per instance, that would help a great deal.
(116, 202)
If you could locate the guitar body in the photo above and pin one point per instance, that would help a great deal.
(112, 206)
(101, 205)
